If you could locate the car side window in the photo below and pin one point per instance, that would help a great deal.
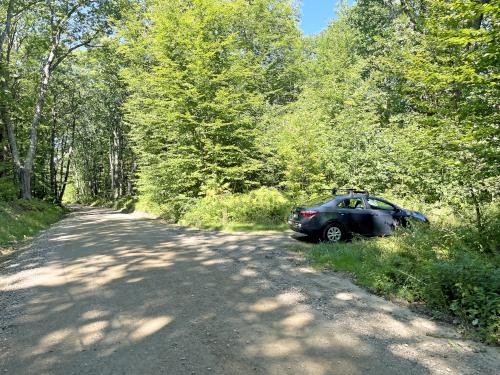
(343, 203)
(351, 203)
(376, 204)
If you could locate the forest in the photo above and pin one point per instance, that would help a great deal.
(222, 114)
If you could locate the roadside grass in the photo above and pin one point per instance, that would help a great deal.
(245, 227)
(453, 269)
(21, 219)
(260, 210)
(257, 210)
(125, 204)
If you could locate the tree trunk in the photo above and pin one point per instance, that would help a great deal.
(7, 128)
(25, 182)
(6, 30)
(53, 179)
(11, 136)
(111, 168)
(477, 208)
(3, 152)
(130, 186)
(61, 157)
(64, 181)
(42, 91)
(114, 161)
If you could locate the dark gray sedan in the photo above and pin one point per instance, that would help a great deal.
(339, 218)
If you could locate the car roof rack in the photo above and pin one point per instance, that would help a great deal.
(349, 191)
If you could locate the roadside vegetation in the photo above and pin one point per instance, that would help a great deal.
(22, 219)
(260, 209)
(450, 266)
(263, 209)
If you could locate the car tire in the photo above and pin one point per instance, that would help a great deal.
(333, 233)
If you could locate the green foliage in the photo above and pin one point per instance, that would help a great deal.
(8, 189)
(469, 287)
(200, 78)
(36, 40)
(20, 219)
(443, 265)
(263, 207)
(124, 204)
(106, 172)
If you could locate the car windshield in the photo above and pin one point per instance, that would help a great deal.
(376, 204)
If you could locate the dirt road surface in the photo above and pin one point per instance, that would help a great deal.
(103, 292)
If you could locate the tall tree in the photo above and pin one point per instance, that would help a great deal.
(200, 75)
(42, 33)
(452, 73)
(107, 171)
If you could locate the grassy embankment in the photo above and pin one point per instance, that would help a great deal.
(21, 219)
(450, 266)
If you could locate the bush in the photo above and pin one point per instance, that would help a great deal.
(468, 286)
(8, 189)
(125, 204)
(444, 265)
(264, 206)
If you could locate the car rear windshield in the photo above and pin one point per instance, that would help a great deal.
(317, 200)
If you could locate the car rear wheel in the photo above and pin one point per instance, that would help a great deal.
(333, 233)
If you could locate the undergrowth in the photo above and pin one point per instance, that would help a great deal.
(259, 209)
(262, 209)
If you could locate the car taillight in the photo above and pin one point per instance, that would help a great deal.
(308, 214)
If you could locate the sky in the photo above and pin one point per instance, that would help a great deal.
(316, 14)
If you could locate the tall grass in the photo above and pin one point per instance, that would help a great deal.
(264, 208)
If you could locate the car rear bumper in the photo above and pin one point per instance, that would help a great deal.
(295, 226)
(301, 227)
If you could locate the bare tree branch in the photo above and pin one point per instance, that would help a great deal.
(85, 43)
(61, 58)
(26, 7)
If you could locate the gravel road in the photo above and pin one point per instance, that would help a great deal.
(103, 292)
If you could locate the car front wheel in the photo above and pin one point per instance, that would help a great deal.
(333, 233)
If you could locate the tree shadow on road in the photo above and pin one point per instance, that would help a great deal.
(127, 295)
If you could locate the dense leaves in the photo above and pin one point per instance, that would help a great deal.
(184, 98)
(206, 73)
